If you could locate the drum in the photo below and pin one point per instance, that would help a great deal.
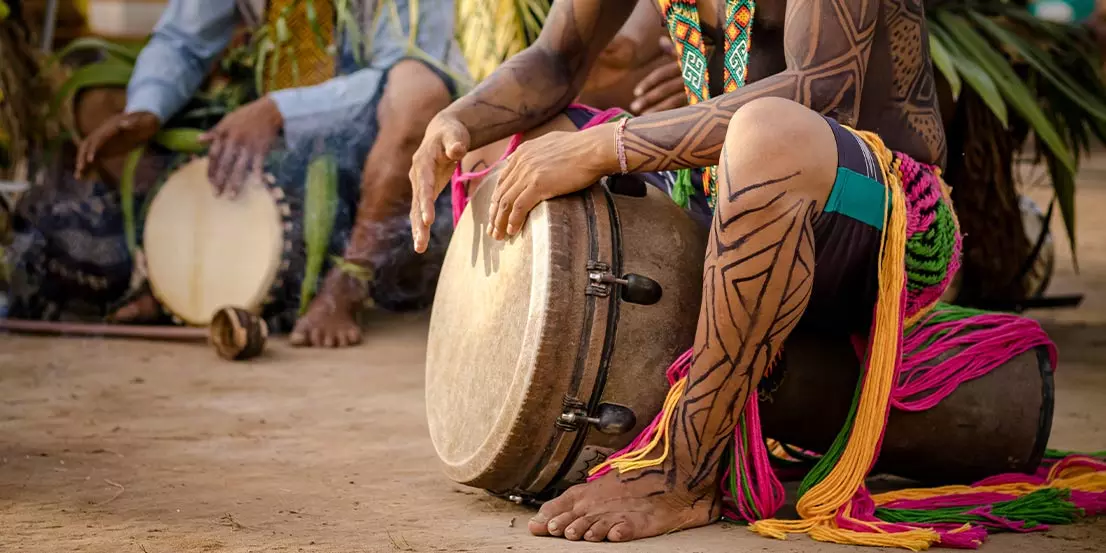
(203, 252)
(995, 424)
(546, 352)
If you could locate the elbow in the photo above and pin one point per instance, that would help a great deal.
(836, 96)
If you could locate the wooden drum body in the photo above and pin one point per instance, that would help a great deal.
(994, 424)
(547, 351)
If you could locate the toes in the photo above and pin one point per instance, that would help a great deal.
(316, 337)
(539, 524)
(599, 530)
(560, 522)
(353, 336)
(298, 338)
(621, 531)
(578, 527)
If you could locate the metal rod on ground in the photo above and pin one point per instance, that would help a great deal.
(146, 332)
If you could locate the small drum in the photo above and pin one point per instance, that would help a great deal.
(546, 352)
(204, 253)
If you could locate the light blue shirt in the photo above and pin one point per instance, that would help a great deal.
(191, 35)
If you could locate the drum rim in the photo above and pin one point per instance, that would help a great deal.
(272, 271)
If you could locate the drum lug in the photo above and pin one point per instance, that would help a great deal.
(635, 288)
(612, 419)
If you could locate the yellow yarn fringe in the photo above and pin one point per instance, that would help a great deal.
(1078, 478)
(821, 504)
(636, 460)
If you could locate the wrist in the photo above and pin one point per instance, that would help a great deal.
(273, 117)
(601, 143)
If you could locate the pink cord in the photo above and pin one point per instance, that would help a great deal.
(458, 188)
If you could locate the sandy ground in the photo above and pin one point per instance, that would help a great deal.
(112, 446)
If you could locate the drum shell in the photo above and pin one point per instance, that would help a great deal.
(995, 424)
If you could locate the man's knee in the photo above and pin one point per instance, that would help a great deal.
(412, 95)
(773, 138)
(776, 130)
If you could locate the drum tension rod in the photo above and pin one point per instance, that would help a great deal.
(635, 288)
(612, 419)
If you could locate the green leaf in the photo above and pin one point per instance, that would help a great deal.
(126, 193)
(122, 52)
(943, 63)
(103, 74)
(1063, 182)
(976, 77)
(319, 208)
(1043, 62)
(5, 11)
(1008, 82)
(181, 140)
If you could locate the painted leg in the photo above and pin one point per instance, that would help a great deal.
(777, 168)
(411, 97)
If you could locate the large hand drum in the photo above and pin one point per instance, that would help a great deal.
(546, 352)
(205, 252)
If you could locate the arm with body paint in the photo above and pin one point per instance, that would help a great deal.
(826, 43)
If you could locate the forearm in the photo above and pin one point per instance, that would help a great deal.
(538, 83)
(524, 92)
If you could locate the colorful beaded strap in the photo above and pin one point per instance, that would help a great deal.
(682, 17)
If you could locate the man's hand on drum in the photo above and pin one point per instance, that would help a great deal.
(443, 146)
(552, 165)
(239, 144)
(118, 135)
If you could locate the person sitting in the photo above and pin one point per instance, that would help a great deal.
(807, 217)
(371, 114)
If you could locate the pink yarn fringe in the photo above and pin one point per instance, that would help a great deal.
(460, 180)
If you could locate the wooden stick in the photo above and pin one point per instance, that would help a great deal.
(145, 332)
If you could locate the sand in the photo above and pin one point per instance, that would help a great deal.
(133, 447)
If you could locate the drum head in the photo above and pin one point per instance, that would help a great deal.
(204, 252)
(485, 332)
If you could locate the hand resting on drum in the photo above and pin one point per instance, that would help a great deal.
(551, 165)
(239, 144)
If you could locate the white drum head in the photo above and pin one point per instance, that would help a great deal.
(203, 252)
(485, 328)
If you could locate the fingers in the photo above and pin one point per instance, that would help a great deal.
(241, 168)
(512, 201)
(667, 47)
(672, 102)
(657, 87)
(91, 146)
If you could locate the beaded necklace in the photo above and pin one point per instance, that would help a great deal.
(682, 18)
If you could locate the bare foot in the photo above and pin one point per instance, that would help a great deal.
(144, 308)
(626, 507)
(331, 319)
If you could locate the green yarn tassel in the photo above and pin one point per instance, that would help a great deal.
(1047, 506)
(683, 190)
(829, 460)
(320, 206)
(1058, 454)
